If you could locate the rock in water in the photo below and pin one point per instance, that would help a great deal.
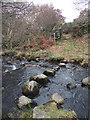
(49, 72)
(24, 101)
(62, 65)
(50, 110)
(41, 79)
(30, 88)
(85, 81)
(56, 68)
(2, 89)
(57, 98)
(71, 86)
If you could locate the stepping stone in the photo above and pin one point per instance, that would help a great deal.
(85, 81)
(49, 72)
(57, 98)
(71, 86)
(62, 65)
(41, 79)
(50, 110)
(30, 88)
(56, 68)
(24, 101)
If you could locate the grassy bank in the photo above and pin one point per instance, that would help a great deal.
(67, 48)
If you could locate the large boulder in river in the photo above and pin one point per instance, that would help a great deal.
(41, 79)
(24, 101)
(30, 88)
(49, 72)
(50, 110)
(85, 81)
(57, 98)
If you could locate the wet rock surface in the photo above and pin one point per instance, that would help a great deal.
(57, 98)
(62, 64)
(24, 101)
(30, 88)
(41, 79)
(49, 72)
(85, 81)
(71, 85)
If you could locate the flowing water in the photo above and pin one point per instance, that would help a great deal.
(15, 73)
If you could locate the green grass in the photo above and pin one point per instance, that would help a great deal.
(26, 111)
(35, 54)
(35, 49)
(59, 43)
(47, 54)
(51, 55)
(51, 109)
(9, 53)
(56, 56)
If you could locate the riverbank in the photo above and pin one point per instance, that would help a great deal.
(66, 49)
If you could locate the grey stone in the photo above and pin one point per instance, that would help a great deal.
(30, 88)
(85, 81)
(49, 72)
(62, 65)
(24, 101)
(2, 89)
(56, 68)
(41, 79)
(50, 110)
(37, 113)
(71, 85)
(57, 98)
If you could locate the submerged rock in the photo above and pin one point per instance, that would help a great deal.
(57, 98)
(49, 72)
(50, 110)
(62, 65)
(24, 101)
(30, 88)
(41, 79)
(85, 81)
(71, 85)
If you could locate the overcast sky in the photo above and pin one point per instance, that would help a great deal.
(68, 9)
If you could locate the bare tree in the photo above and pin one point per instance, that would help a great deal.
(48, 17)
(81, 4)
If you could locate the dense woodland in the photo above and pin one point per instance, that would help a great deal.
(25, 21)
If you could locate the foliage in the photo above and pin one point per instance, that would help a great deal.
(75, 49)
(43, 42)
(26, 112)
(22, 21)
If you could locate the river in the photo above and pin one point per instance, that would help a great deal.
(16, 72)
